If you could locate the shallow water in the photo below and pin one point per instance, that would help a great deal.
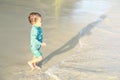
(62, 20)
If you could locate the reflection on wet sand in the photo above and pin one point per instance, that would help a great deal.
(58, 5)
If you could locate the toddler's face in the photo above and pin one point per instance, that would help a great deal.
(38, 20)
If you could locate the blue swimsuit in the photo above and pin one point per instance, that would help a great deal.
(36, 40)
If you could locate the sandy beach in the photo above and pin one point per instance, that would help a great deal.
(83, 40)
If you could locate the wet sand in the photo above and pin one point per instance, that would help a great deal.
(64, 26)
(98, 58)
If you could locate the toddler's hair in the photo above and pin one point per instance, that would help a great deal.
(33, 17)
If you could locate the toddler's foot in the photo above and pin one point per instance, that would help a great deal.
(37, 67)
(32, 69)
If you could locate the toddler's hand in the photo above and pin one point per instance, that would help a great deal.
(43, 44)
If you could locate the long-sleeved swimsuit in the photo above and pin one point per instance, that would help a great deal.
(36, 40)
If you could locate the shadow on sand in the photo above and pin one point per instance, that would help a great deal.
(73, 41)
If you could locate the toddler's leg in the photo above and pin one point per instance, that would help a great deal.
(37, 57)
(37, 67)
(36, 61)
(30, 63)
